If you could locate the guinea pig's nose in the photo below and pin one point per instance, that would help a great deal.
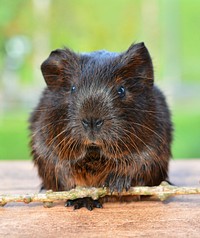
(92, 123)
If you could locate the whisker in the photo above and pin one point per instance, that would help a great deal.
(148, 128)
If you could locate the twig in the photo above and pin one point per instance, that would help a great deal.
(163, 192)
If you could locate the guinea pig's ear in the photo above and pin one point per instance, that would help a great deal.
(59, 68)
(136, 63)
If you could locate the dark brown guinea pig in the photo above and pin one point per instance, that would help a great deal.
(101, 121)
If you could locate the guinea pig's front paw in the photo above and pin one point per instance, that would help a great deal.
(87, 202)
(118, 182)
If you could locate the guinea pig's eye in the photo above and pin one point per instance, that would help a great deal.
(121, 92)
(73, 89)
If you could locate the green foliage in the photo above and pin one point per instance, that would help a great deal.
(190, 35)
(187, 132)
(14, 137)
(90, 25)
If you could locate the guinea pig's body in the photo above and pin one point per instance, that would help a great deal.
(101, 121)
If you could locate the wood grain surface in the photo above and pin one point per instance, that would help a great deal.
(178, 217)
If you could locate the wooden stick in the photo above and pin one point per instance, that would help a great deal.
(163, 192)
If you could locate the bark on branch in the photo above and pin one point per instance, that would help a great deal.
(162, 192)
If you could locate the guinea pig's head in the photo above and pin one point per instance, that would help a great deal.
(100, 100)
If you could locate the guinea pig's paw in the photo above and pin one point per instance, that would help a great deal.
(87, 202)
(118, 182)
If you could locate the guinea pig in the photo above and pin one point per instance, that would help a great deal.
(101, 121)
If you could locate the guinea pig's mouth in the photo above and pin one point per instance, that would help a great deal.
(106, 150)
(91, 143)
(93, 146)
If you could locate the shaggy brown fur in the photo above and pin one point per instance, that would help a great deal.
(101, 121)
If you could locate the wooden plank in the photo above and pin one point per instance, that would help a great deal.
(179, 217)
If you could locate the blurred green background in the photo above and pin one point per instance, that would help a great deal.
(30, 29)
